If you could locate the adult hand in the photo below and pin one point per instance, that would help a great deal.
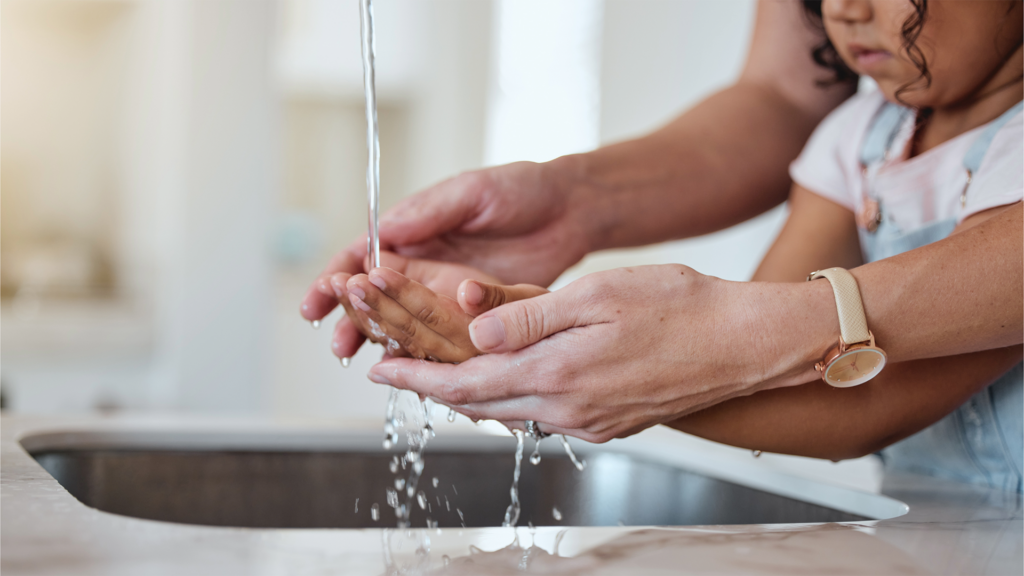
(520, 222)
(614, 353)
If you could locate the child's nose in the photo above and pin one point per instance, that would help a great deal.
(852, 11)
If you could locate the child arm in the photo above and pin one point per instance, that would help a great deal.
(818, 234)
(820, 421)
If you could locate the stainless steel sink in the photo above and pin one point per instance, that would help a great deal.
(275, 484)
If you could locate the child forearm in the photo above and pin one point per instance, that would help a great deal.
(819, 421)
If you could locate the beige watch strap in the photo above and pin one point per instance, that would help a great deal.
(853, 325)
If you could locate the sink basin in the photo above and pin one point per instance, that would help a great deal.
(304, 482)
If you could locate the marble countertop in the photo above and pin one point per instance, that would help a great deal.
(949, 529)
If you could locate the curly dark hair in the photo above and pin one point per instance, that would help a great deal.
(825, 54)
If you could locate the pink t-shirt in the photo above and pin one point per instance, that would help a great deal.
(915, 191)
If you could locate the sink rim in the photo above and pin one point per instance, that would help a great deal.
(876, 507)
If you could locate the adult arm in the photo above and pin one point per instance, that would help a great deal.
(715, 165)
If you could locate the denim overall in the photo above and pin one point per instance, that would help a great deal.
(982, 441)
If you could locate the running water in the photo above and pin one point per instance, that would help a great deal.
(391, 423)
(512, 512)
(394, 420)
(372, 138)
(579, 464)
(535, 456)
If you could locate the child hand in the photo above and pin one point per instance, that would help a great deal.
(422, 322)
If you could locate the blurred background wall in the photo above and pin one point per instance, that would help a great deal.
(173, 173)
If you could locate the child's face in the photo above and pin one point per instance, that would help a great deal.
(964, 43)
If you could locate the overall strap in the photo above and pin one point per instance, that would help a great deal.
(882, 132)
(976, 153)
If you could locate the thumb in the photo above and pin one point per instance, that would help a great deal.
(477, 297)
(519, 324)
(433, 212)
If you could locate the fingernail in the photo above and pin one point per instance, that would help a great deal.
(357, 302)
(473, 294)
(378, 379)
(377, 281)
(487, 333)
(358, 292)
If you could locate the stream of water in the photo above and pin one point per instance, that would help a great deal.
(372, 133)
(419, 432)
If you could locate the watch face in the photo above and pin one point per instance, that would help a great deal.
(855, 367)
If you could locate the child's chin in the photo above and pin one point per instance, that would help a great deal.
(904, 95)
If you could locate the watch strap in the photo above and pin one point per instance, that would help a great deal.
(853, 324)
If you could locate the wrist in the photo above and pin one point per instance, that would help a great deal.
(797, 324)
(571, 177)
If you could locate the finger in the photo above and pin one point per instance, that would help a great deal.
(439, 209)
(517, 325)
(514, 412)
(358, 320)
(455, 384)
(438, 313)
(477, 297)
(346, 339)
(397, 323)
(318, 301)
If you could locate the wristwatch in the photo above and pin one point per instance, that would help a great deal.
(855, 359)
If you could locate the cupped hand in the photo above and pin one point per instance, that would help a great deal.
(607, 356)
(441, 278)
(411, 317)
(520, 222)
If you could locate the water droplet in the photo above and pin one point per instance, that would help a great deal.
(393, 465)
(454, 490)
(387, 443)
(392, 498)
(557, 514)
(375, 512)
(345, 362)
(446, 560)
(399, 483)
(451, 414)
(421, 499)
(434, 481)
(357, 506)
(316, 324)
(535, 456)
(755, 453)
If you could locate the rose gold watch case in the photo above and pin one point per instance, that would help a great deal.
(845, 351)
